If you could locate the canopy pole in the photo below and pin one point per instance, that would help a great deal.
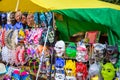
(17, 4)
(42, 56)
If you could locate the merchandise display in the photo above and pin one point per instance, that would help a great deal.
(29, 50)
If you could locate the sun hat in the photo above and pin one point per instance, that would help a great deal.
(2, 68)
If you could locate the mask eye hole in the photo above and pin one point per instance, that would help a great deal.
(59, 47)
(103, 69)
(109, 70)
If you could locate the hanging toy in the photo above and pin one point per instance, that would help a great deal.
(71, 50)
(59, 67)
(82, 55)
(70, 68)
(60, 48)
(81, 71)
(108, 71)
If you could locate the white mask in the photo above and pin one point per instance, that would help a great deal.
(60, 48)
(82, 55)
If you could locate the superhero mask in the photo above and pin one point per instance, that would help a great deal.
(59, 66)
(99, 50)
(108, 71)
(59, 48)
(70, 68)
(71, 50)
(94, 71)
(82, 55)
(81, 71)
(60, 62)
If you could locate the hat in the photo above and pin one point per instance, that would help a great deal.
(2, 68)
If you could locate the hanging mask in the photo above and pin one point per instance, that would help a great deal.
(60, 62)
(94, 70)
(111, 53)
(70, 68)
(99, 50)
(108, 71)
(71, 50)
(60, 48)
(12, 18)
(82, 55)
(51, 35)
(81, 71)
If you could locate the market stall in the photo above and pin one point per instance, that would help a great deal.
(33, 50)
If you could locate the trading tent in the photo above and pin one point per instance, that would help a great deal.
(77, 20)
(84, 15)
